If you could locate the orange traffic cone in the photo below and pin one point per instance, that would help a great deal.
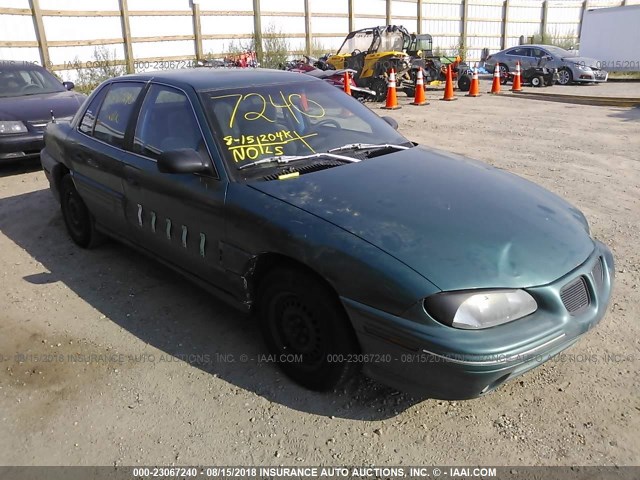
(495, 86)
(392, 98)
(474, 89)
(421, 96)
(347, 83)
(517, 85)
(448, 88)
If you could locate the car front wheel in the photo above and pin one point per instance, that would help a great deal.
(306, 329)
(77, 218)
(565, 77)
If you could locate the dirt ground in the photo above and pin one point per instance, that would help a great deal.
(108, 358)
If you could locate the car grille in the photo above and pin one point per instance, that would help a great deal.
(598, 274)
(575, 296)
(599, 74)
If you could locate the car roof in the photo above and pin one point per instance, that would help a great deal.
(205, 78)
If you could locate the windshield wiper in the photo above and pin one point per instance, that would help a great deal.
(284, 159)
(368, 146)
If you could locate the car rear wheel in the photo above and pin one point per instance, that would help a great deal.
(565, 77)
(306, 329)
(78, 220)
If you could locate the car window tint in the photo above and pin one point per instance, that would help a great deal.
(115, 112)
(538, 52)
(519, 52)
(166, 122)
(89, 118)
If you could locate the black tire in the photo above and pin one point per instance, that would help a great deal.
(537, 82)
(379, 85)
(300, 316)
(464, 83)
(80, 224)
(410, 92)
(565, 77)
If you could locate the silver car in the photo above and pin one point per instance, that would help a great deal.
(571, 68)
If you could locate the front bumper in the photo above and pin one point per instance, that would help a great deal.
(595, 76)
(21, 147)
(442, 362)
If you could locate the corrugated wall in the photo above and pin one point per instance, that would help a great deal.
(164, 30)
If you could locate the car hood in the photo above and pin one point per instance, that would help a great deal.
(28, 108)
(460, 223)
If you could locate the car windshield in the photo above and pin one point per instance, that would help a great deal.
(27, 80)
(305, 119)
(391, 41)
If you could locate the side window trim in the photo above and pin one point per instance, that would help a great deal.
(133, 119)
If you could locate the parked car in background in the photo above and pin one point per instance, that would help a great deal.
(28, 95)
(571, 67)
(354, 246)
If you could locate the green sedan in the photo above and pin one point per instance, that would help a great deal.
(355, 248)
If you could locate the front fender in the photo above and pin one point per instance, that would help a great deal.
(258, 223)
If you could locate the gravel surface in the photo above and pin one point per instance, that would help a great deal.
(109, 358)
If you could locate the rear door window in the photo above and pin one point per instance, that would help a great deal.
(115, 113)
(88, 121)
(518, 52)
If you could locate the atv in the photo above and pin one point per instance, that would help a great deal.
(372, 52)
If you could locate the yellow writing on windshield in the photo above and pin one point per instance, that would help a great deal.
(250, 147)
(255, 106)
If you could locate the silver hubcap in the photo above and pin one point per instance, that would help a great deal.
(564, 77)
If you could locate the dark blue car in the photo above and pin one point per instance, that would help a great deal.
(353, 246)
(28, 96)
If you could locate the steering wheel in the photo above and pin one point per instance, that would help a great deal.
(356, 52)
(329, 121)
(31, 87)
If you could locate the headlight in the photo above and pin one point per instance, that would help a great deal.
(476, 310)
(8, 127)
(584, 68)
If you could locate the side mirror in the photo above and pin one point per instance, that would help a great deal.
(68, 85)
(391, 121)
(184, 160)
